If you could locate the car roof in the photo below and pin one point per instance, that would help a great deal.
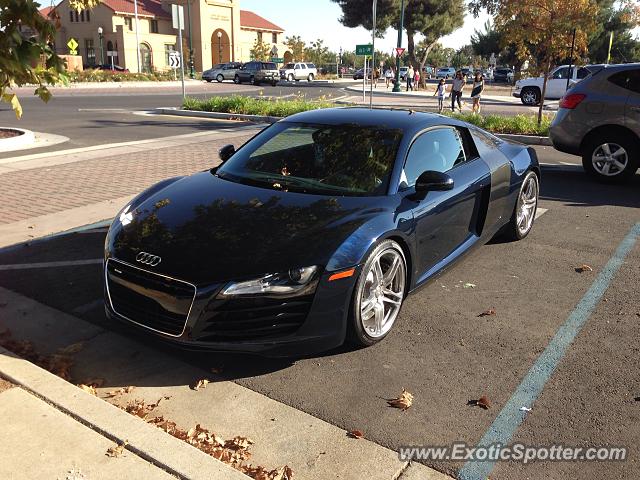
(407, 120)
(621, 66)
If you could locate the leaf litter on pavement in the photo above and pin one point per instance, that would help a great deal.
(117, 449)
(403, 401)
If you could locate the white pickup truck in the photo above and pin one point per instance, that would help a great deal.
(298, 71)
(529, 90)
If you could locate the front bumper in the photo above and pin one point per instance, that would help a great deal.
(210, 327)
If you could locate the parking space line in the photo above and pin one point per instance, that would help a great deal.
(70, 263)
(510, 417)
(540, 212)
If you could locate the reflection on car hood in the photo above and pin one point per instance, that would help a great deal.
(207, 229)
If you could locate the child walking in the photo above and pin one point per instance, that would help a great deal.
(441, 90)
(476, 92)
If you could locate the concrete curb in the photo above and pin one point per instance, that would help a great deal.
(146, 441)
(525, 139)
(26, 137)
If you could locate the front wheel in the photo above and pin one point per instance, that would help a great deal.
(611, 158)
(530, 96)
(290, 77)
(236, 79)
(220, 78)
(524, 213)
(378, 294)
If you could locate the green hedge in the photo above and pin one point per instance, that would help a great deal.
(93, 75)
(519, 124)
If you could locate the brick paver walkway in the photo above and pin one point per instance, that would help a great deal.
(41, 191)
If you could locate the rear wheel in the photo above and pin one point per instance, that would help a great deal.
(220, 78)
(310, 77)
(611, 157)
(524, 213)
(236, 79)
(290, 77)
(530, 96)
(378, 294)
(252, 80)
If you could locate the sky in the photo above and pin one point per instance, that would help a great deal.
(313, 19)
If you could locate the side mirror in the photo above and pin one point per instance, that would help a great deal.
(226, 152)
(432, 181)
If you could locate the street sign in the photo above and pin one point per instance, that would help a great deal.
(399, 51)
(178, 18)
(174, 59)
(364, 49)
(73, 46)
(277, 60)
(274, 51)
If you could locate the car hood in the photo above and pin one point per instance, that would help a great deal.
(207, 230)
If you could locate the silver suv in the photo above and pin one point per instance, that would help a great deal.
(599, 119)
(222, 71)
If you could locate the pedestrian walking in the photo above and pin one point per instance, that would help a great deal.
(456, 91)
(416, 80)
(476, 91)
(410, 74)
(388, 76)
(441, 90)
(376, 76)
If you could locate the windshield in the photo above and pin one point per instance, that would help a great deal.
(269, 66)
(289, 66)
(344, 160)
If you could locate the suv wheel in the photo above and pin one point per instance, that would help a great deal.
(310, 77)
(252, 80)
(236, 79)
(220, 78)
(290, 77)
(611, 157)
(530, 96)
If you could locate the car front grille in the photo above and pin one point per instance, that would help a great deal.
(153, 301)
(243, 319)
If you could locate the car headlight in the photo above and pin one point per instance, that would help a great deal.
(297, 281)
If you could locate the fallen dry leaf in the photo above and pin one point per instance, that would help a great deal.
(403, 402)
(94, 382)
(201, 384)
(89, 389)
(356, 434)
(584, 268)
(117, 450)
(483, 402)
(486, 313)
(120, 391)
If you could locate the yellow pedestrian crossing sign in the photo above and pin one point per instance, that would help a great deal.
(73, 46)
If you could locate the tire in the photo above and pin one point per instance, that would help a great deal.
(611, 157)
(236, 80)
(220, 78)
(208, 80)
(525, 209)
(530, 96)
(290, 77)
(274, 83)
(364, 333)
(310, 77)
(252, 80)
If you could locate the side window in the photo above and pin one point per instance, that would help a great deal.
(297, 67)
(627, 79)
(439, 149)
(583, 73)
(561, 73)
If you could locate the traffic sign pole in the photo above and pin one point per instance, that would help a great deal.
(180, 21)
(373, 53)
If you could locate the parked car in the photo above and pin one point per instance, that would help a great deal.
(403, 73)
(256, 72)
(599, 119)
(446, 72)
(429, 72)
(529, 90)
(314, 231)
(222, 71)
(359, 74)
(298, 71)
(502, 75)
(467, 73)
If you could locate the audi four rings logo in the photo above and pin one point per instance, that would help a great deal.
(148, 259)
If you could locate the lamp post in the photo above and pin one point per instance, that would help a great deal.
(101, 37)
(219, 46)
(396, 86)
(192, 70)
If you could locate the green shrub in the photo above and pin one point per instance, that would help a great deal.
(518, 124)
(93, 75)
(254, 106)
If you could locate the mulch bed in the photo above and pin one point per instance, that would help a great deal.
(8, 133)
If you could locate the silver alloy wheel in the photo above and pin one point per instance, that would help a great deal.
(529, 97)
(382, 292)
(610, 159)
(290, 77)
(527, 204)
(220, 78)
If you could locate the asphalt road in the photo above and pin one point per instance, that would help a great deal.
(441, 350)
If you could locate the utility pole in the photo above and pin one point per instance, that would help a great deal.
(396, 86)
(373, 54)
(573, 44)
(192, 71)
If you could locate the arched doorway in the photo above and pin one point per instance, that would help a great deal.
(288, 57)
(145, 58)
(220, 47)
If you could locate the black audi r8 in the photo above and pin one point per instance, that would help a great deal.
(314, 231)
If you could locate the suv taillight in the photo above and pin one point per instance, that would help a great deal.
(572, 100)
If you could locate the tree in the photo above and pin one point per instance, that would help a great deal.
(486, 42)
(318, 53)
(542, 29)
(619, 18)
(297, 47)
(260, 51)
(432, 19)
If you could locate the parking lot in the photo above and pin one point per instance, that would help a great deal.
(442, 350)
